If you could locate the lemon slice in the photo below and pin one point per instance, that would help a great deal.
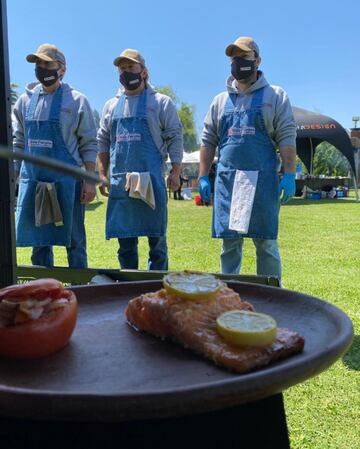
(243, 328)
(192, 285)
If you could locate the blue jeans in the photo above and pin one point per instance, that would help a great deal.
(268, 262)
(129, 257)
(76, 252)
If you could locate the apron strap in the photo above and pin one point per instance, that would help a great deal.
(141, 106)
(55, 105)
(229, 109)
(33, 102)
(54, 114)
(230, 104)
(256, 102)
(119, 108)
(140, 109)
(257, 99)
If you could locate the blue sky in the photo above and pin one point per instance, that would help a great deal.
(310, 48)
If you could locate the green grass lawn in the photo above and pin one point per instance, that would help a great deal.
(320, 248)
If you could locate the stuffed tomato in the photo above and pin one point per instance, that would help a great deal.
(36, 319)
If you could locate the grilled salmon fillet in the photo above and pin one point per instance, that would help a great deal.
(193, 324)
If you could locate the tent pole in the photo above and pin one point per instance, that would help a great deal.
(356, 173)
(356, 189)
(311, 155)
(7, 228)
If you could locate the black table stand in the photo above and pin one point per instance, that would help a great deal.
(256, 425)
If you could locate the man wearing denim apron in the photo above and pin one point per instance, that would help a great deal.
(247, 124)
(53, 120)
(139, 128)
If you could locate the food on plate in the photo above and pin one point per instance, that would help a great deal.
(36, 319)
(244, 328)
(193, 323)
(192, 285)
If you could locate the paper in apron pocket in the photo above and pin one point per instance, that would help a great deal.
(242, 200)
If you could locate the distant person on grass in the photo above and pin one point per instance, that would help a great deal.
(139, 128)
(247, 123)
(178, 192)
(54, 120)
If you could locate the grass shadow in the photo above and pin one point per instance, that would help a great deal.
(308, 202)
(94, 205)
(352, 358)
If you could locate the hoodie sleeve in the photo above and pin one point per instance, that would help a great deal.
(284, 122)
(18, 128)
(103, 134)
(210, 133)
(86, 132)
(171, 132)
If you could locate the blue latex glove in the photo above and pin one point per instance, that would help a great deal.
(205, 188)
(287, 187)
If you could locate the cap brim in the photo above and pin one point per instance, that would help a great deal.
(123, 58)
(35, 57)
(230, 49)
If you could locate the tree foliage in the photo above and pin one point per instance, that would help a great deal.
(167, 90)
(187, 117)
(186, 114)
(329, 161)
(96, 116)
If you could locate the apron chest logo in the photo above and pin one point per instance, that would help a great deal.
(128, 137)
(241, 131)
(39, 143)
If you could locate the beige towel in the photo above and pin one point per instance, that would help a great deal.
(140, 186)
(47, 208)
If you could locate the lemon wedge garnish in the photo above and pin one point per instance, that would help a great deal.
(192, 285)
(243, 328)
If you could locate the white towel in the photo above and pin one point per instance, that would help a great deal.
(242, 201)
(140, 186)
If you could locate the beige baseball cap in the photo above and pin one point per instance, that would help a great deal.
(47, 52)
(243, 43)
(131, 55)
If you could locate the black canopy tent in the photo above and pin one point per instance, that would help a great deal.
(314, 128)
(7, 239)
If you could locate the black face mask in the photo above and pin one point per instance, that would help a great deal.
(242, 68)
(47, 77)
(130, 81)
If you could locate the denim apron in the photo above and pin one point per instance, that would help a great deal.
(44, 138)
(133, 150)
(246, 145)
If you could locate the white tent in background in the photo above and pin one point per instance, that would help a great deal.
(191, 158)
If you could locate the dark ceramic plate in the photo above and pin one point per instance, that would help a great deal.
(109, 372)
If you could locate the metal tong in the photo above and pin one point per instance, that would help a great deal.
(52, 164)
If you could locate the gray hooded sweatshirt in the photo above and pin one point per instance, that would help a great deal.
(276, 109)
(76, 121)
(163, 120)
